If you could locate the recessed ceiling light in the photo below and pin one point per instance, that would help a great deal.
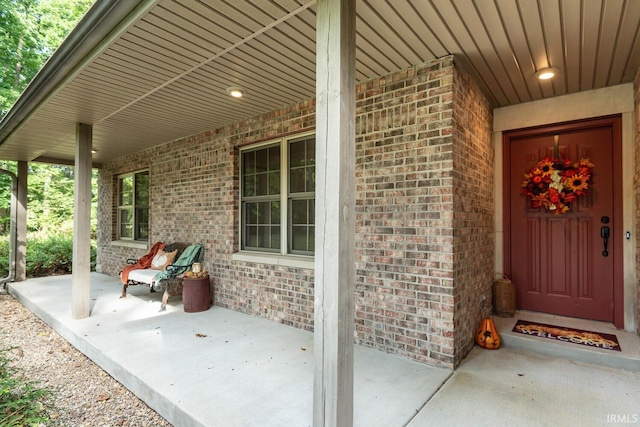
(236, 92)
(546, 73)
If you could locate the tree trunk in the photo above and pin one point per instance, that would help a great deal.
(18, 69)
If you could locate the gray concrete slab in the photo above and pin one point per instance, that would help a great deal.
(509, 387)
(223, 368)
(220, 367)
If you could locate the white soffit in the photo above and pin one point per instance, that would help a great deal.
(166, 76)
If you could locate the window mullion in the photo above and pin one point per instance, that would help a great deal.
(134, 233)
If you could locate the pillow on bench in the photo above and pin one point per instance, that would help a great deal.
(163, 259)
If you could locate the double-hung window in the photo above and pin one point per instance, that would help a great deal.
(133, 206)
(278, 197)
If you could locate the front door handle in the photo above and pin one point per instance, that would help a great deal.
(604, 233)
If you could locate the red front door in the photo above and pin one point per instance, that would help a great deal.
(558, 262)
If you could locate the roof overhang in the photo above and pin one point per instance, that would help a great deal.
(148, 72)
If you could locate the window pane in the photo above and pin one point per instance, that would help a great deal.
(299, 240)
(249, 183)
(249, 174)
(274, 159)
(251, 213)
(311, 165)
(299, 212)
(126, 223)
(262, 225)
(275, 213)
(311, 151)
(264, 213)
(125, 191)
(297, 184)
(261, 160)
(312, 239)
(302, 225)
(249, 163)
(310, 173)
(302, 162)
(251, 234)
(261, 172)
(274, 183)
(262, 184)
(297, 155)
(133, 204)
(142, 223)
(275, 237)
(264, 236)
(142, 189)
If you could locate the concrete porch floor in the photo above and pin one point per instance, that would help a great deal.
(223, 368)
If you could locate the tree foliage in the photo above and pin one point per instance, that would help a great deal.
(50, 198)
(30, 31)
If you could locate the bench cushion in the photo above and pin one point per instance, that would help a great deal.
(145, 275)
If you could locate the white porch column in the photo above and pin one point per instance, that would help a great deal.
(21, 223)
(82, 223)
(335, 206)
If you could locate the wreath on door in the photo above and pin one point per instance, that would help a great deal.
(554, 183)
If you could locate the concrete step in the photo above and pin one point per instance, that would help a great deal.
(628, 358)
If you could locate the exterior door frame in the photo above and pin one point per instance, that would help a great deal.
(615, 122)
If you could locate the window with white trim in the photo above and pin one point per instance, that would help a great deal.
(278, 208)
(133, 206)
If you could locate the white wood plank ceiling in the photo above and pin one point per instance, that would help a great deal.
(166, 76)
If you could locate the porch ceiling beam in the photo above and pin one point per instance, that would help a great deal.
(335, 206)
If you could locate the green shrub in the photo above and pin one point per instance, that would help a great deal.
(22, 402)
(4, 256)
(49, 255)
(46, 255)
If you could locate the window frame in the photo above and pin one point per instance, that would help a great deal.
(285, 199)
(134, 207)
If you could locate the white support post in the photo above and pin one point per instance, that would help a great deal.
(82, 223)
(21, 223)
(335, 213)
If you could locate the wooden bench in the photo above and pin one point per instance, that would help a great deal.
(168, 280)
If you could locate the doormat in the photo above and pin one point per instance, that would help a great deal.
(568, 335)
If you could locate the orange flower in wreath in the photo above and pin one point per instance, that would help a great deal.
(555, 183)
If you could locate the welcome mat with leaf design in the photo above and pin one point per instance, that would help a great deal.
(568, 335)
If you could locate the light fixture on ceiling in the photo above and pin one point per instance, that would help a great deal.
(546, 73)
(94, 151)
(235, 92)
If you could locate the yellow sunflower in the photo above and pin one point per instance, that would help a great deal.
(545, 166)
(577, 183)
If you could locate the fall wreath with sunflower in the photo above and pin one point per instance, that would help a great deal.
(554, 183)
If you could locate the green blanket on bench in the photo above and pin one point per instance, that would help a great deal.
(191, 254)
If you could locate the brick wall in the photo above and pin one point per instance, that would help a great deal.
(424, 167)
(473, 225)
(413, 270)
(404, 205)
